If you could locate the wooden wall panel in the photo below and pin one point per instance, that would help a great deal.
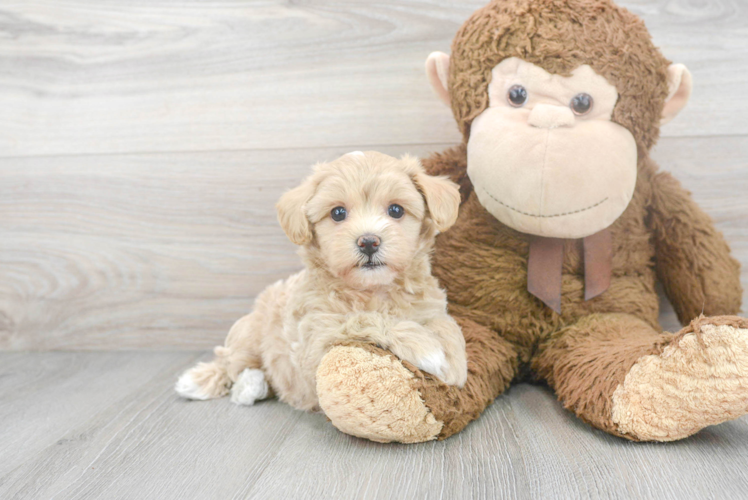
(175, 75)
(167, 250)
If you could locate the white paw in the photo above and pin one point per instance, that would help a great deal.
(249, 387)
(434, 363)
(187, 388)
(356, 153)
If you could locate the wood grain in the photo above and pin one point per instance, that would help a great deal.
(165, 251)
(107, 425)
(81, 77)
(46, 398)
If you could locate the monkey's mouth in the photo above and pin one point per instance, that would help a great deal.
(541, 216)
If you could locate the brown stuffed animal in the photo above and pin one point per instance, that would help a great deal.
(564, 228)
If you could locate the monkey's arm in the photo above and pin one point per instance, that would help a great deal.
(451, 163)
(692, 258)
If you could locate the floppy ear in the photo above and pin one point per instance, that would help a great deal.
(442, 198)
(437, 71)
(292, 215)
(679, 90)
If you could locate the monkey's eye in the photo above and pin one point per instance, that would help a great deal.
(581, 104)
(396, 211)
(517, 96)
(338, 214)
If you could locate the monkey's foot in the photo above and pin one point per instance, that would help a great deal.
(367, 392)
(699, 379)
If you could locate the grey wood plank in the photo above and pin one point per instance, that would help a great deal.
(524, 446)
(136, 437)
(566, 455)
(141, 441)
(485, 461)
(167, 250)
(172, 75)
(65, 402)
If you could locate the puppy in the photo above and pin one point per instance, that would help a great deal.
(366, 225)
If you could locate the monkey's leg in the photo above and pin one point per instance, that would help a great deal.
(367, 392)
(619, 374)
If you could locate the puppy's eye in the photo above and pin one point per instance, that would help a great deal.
(581, 104)
(338, 214)
(396, 211)
(517, 96)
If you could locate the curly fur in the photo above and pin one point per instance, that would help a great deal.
(397, 305)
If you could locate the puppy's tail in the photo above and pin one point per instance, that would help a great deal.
(206, 380)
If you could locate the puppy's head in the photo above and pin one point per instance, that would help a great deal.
(367, 217)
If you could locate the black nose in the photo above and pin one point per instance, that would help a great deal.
(369, 244)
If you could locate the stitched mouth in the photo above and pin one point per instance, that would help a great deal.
(540, 216)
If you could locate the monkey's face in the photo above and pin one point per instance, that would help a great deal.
(545, 157)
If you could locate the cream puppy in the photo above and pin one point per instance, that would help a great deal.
(366, 224)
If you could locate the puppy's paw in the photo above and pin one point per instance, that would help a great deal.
(251, 386)
(434, 363)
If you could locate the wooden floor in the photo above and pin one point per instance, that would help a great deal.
(142, 147)
(107, 425)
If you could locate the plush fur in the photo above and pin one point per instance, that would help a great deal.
(389, 298)
(598, 347)
(560, 35)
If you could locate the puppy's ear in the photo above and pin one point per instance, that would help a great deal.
(442, 196)
(292, 215)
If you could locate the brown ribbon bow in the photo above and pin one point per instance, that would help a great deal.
(544, 267)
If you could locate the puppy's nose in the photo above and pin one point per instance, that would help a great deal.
(369, 244)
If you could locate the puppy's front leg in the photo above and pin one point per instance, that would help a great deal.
(324, 330)
(437, 348)
(367, 326)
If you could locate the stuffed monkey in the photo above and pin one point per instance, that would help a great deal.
(564, 228)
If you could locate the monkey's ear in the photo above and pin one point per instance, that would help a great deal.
(292, 214)
(679, 84)
(437, 71)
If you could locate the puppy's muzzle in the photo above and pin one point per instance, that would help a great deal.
(368, 244)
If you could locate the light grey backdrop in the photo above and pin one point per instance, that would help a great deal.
(143, 145)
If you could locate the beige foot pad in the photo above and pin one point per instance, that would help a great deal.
(373, 396)
(698, 380)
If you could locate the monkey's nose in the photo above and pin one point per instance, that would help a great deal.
(369, 244)
(550, 116)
